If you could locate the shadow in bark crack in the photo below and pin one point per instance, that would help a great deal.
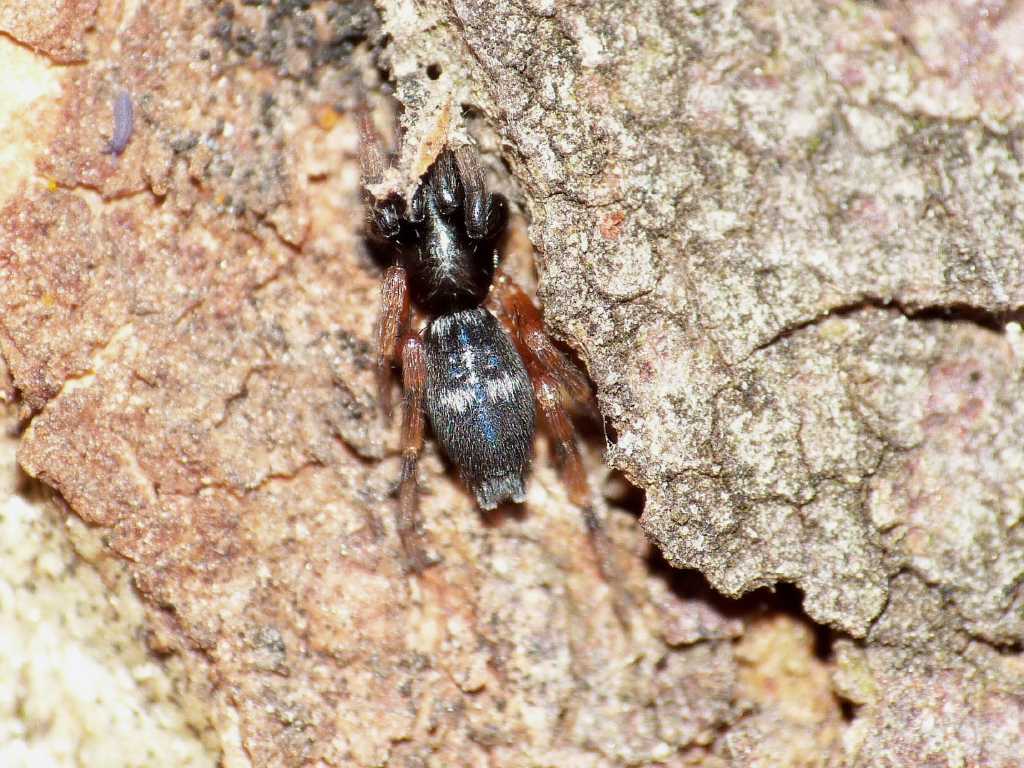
(621, 493)
(952, 313)
(780, 600)
(965, 313)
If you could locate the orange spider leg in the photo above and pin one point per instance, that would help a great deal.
(371, 153)
(524, 320)
(558, 383)
(393, 321)
(408, 523)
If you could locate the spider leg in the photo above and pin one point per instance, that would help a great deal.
(484, 213)
(564, 436)
(384, 215)
(511, 304)
(558, 422)
(557, 383)
(444, 178)
(407, 521)
(371, 153)
(391, 325)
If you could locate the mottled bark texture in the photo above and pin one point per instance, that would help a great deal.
(784, 238)
(787, 239)
(56, 29)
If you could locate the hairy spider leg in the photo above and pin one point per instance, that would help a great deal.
(445, 181)
(526, 325)
(385, 215)
(558, 383)
(391, 325)
(407, 521)
(371, 153)
(484, 213)
(561, 430)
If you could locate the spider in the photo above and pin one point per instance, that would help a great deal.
(481, 361)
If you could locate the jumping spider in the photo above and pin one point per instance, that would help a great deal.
(482, 358)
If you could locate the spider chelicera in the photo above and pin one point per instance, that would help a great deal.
(482, 358)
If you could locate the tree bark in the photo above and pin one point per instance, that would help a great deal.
(784, 238)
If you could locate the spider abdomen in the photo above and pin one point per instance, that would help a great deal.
(479, 400)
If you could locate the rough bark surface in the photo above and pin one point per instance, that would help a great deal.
(56, 29)
(785, 239)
